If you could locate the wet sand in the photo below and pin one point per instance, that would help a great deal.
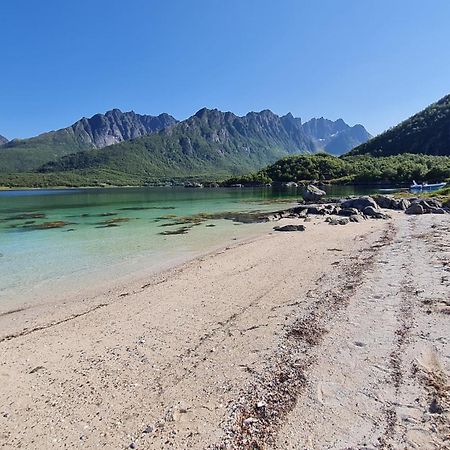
(335, 337)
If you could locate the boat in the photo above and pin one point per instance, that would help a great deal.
(425, 187)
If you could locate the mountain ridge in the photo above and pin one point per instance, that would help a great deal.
(3, 140)
(209, 142)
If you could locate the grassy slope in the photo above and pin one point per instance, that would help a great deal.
(27, 154)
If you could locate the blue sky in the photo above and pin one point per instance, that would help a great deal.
(369, 62)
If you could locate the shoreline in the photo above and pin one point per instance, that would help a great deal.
(41, 310)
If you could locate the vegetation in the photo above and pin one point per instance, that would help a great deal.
(427, 132)
(351, 169)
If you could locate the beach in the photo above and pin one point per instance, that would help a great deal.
(335, 337)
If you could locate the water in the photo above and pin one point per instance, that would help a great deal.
(105, 235)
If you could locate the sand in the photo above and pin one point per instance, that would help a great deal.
(335, 337)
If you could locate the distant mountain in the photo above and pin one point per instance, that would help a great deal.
(209, 142)
(335, 137)
(3, 140)
(426, 132)
(21, 155)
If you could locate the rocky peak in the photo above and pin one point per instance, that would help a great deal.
(116, 126)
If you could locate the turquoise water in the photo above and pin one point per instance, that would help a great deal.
(105, 235)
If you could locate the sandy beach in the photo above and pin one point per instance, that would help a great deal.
(335, 337)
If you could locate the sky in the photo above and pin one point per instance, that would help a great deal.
(374, 62)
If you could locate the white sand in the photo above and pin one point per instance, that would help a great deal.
(186, 355)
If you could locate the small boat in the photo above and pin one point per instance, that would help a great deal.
(425, 187)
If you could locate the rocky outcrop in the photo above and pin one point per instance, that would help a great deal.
(359, 203)
(388, 202)
(312, 193)
(370, 211)
(415, 208)
(116, 126)
(426, 206)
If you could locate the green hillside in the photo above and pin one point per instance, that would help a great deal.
(426, 132)
(352, 169)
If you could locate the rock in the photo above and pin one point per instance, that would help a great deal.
(289, 184)
(403, 204)
(359, 203)
(193, 184)
(415, 208)
(355, 218)
(149, 429)
(375, 213)
(433, 202)
(435, 407)
(341, 221)
(249, 421)
(388, 202)
(347, 212)
(261, 405)
(312, 193)
(290, 228)
(317, 210)
(385, 201)
(437, 210)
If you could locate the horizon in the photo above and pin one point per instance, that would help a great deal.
(239, 57)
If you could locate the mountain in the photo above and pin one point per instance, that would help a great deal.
(426, 132)
(210, 142)
(335, 137)
(21, 155)
(3, 140)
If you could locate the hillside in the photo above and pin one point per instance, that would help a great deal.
(209, 143)
(21, 155)
(335, 137)
(426, 132)
(3, 140)
(363, 169)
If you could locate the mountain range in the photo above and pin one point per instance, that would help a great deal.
(23, 155)
(427, 132)
(209, 141)
(3, 140)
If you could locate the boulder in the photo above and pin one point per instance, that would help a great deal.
(320, 210)
(385, 201)
(388, 202)
(312, 193)
(415, 208)
(359, 203)
(290, 228)
(348, 212)
(370, 211)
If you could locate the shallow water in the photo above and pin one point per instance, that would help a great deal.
(53, 241)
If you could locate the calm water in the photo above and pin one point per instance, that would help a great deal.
(104, 235)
